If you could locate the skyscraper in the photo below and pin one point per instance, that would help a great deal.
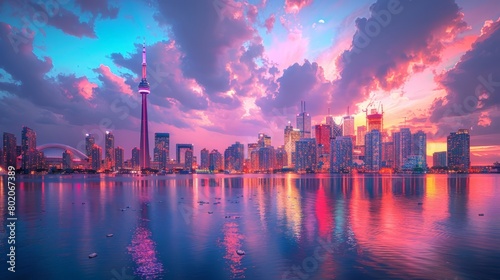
(419, 149)
(322, 133)
(162, 149)
(291, 137)
(30, 157)
(119, 158)
(405, 145)
(9, 150)
(281, 158)
(341, 154)
(109, 147)
(305, 155)
(375, 120)
(264, 140)
(144, 158)
(458, 150)
(304, 121)
(181, 152)
(188, 160)
(348, 129)
(373, 150)
(234, 157)
(267, 158)
(204, 159)
(67, 159)
(89, 143)
(96, 157)
(136, 153)
(215, 161)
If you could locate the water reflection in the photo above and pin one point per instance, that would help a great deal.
(382, 227)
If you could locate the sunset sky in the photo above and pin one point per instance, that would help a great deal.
(222, 70)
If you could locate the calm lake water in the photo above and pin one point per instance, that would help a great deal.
(290, 227)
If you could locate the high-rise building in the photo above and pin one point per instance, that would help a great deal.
(181, 152)
(264, 140)
(458, 150)
(96, 155)
(119, 158)
(281, 158)
(341, 154)
(162, 149)
(109, 147)
(439, 159)
(89, 143)
(373, 150)
(215, 161)
(67, 159)
(292, 135)
(30, 157)
(348, 127)
(322, 133)
(304, 121)
(396, 141)
(9, 150)
(375, 120)
(234, 157)
(254, 160)
(419, 149)
(204, 159)
(305, 155)
(267, 158)
(188, 160)
(144, 158)
(136, 153)
(337, 129)
(388, 155)
(360, 136)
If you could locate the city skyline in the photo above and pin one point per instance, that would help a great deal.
(197, 101)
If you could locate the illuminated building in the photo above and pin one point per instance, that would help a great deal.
(161, 153)
(281, 158)
(305, 155)
(373, 150)
(215, 161)
(96, 157)
(109, 147)
(135, 158)
(119, 158)
(291, 137)
(188, 160)
(341, 155)
(267, 158)
(9, 150)
(375, 120)
(348, 127)
(234, 157)
(322, 133)
(264, 140)
(304, 121)
(419, 149)
(204, 159)
(458, 150)
(67, 159)
(32, 159)
(89, 143)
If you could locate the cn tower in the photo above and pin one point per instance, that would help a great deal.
(144, 158)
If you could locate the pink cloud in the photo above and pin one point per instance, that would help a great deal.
(85, 88)
(117, 81)
(294, 6)
(269, 23)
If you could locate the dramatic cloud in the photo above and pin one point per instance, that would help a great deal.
(207, 34)
(299, 82)
(472, 86)
(70, 24)
(400, 38)
(294, 6)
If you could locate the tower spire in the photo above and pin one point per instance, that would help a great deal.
(144, 64)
